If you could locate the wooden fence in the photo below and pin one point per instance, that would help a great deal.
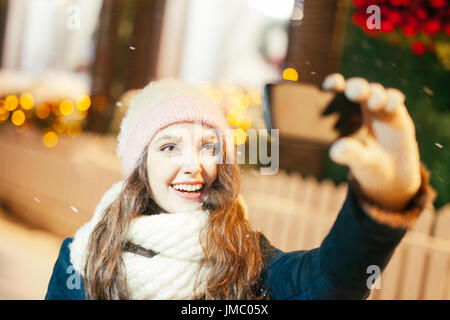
(297, 212)
(57, 190)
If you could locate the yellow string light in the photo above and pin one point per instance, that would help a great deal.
(66, 107)
(290, 74)
(245, 124)
(239, 136)
(235, 101)
(83, 103)
(245, 100)
(50, 139)
(26, 101)
(43, 111)
(11, 102)
(234, 117)
(237, 105)
(18, 117)
(4, 114)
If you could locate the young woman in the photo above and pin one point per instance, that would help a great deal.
(175, 227)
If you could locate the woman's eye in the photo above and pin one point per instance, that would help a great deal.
(210, 147)
(167, 148)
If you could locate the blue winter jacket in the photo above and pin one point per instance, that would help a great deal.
(338, 269)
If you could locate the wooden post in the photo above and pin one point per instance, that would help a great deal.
(315, 45)
(3, 17)
(102, 69)
(145, 42)
(124, 63)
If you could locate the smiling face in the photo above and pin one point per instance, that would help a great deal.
(182, 165)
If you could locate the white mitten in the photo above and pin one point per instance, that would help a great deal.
(385, 160)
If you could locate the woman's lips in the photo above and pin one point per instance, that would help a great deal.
(189, 195)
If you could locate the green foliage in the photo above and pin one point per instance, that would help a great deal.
(425, 83)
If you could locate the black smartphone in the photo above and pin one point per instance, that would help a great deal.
(306, 111)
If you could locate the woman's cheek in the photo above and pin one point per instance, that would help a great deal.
(211, 168)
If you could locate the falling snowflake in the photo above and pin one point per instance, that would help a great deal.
(74, 209)
(119, 104)
(132, 48)
(438, 145)
(37, 200)
(428, 90)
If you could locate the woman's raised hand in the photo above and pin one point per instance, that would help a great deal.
(385, 161)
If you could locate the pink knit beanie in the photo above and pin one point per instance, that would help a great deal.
(160, 104)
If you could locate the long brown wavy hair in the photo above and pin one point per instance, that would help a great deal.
(232, 249)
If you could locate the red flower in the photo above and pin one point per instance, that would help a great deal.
(447, 29)
(410, 29)
(396, 3)
(387, 26)
(359, 18)
(421, 13)
(399, 3)
(431, 27)
(359, 3)
(384, 11)
(438, 3)
(409, 18)
(418, 48)
(394, 17)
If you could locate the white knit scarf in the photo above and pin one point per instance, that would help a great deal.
(173, 236)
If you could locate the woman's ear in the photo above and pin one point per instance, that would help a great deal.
(121, 108)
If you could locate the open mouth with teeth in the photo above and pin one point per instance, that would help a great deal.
(189, 191)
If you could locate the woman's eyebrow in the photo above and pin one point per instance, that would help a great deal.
(168, 137)
(212, 138)
(209, 138)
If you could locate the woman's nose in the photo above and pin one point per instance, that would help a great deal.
(191, 162)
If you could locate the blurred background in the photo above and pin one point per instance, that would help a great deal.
(68, 69)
